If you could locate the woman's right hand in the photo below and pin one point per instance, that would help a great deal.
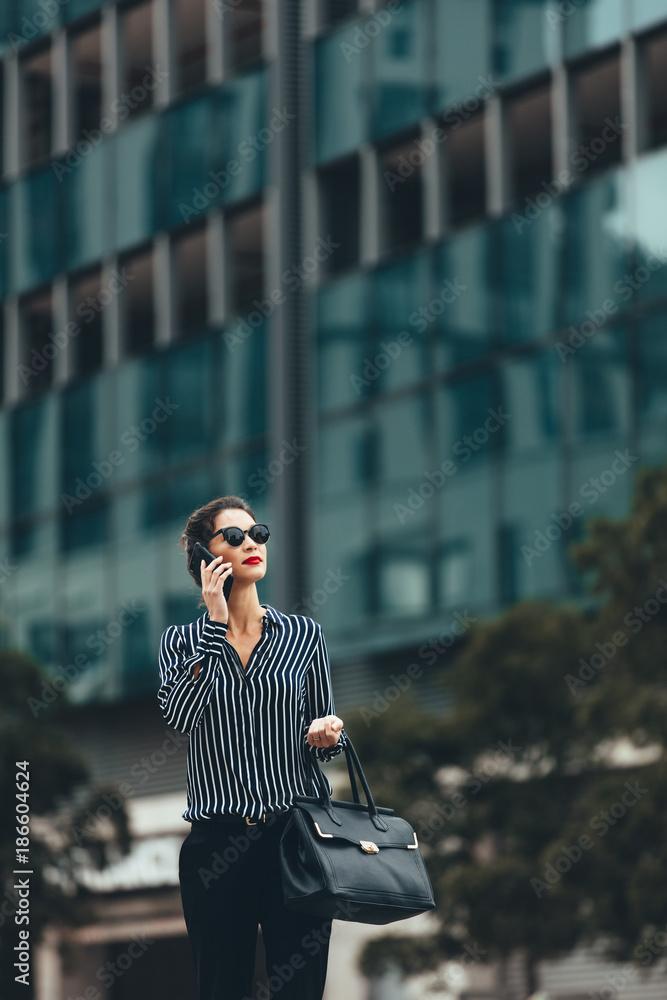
(212, 583)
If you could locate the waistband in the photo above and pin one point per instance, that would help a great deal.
(266, 819)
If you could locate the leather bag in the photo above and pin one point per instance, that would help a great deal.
(350, 860)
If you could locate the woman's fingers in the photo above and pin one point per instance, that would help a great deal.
(325, 732)
(211, 572)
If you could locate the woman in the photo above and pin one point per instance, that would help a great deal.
(252, 687)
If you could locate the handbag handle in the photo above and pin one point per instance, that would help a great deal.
(319, 781)
(325, 797)
(353, 777)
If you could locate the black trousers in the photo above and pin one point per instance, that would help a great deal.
(230, 882)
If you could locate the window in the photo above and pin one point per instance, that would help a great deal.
(339, 84)
(529, 129)
(31, 481)
(655, 84)
(136, 43)
(340, 212)
(529, 270)
(531, 389)
(597, 123)
(37, 348)
(402, 300)
(37, 101)
(3, 366)
(469, 321)
(137, 308)
(600, 392)
(465, 171)
(342, 539)
(190, 47)
(87, 80)
(468, 504)
(596, 259)
(88, 300)
(2, 122)
(596, 23)
(244, 41)
(522, 38)
(401, 195)
(652, 395)
(399, 87)
(190, 282)
(458, 69)
(246, 246)
(601, 422)
(341, 321)
(404, 429)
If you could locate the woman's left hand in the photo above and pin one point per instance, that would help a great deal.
(324, 732)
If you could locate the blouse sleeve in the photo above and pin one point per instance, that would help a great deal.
(182, 696)
(319, 699)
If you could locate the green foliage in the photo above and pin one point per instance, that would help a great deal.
(559, 839)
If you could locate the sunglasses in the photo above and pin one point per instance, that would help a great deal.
(234, 536)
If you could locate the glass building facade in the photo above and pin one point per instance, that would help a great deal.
(483, 333)
(509, 159)
(394, 272)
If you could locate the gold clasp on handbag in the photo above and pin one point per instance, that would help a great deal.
(369, 846)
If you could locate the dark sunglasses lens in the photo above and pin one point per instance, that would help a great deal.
(259, 533)
(234, 536)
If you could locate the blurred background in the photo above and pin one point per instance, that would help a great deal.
(395, 273)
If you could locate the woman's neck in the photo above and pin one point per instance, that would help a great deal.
(245, 614)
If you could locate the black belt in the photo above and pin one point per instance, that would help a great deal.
(237, 818)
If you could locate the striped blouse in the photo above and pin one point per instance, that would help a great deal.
(247, 752)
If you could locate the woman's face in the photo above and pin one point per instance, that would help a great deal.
(238, 554)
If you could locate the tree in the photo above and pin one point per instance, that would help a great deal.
(540, 800)
(64, 832)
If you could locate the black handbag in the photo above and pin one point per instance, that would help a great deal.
(349, 860)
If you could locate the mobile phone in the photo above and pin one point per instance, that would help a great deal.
(201, 552)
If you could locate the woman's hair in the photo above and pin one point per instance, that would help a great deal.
(201, 525)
